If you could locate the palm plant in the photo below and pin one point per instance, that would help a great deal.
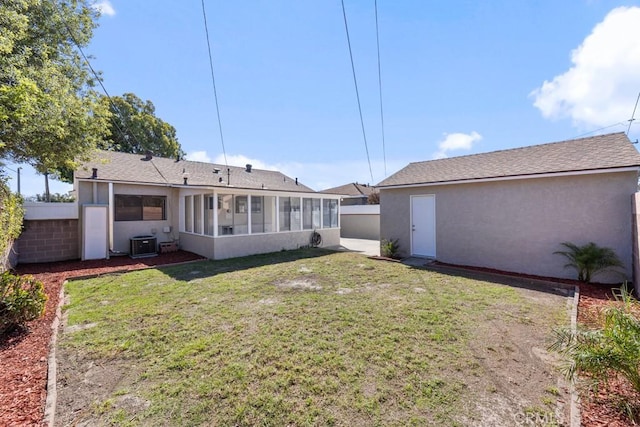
(614, 348)
(589, 259)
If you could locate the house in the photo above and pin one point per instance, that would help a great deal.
(511, 209)
(212, 210)
(352, 193)
(358, 219)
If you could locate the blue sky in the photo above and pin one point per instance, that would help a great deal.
(458, 77)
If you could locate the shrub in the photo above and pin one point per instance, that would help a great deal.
(589, 260)
(11, 214)
(389, 248)
(613, 348)
(22, 298)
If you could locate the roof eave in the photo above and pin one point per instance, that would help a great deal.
(635, 168)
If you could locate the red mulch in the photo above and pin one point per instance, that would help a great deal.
(23, 355)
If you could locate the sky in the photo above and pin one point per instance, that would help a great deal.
(458, 77)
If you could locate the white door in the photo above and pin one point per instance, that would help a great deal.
(94, 232)
(423, 226)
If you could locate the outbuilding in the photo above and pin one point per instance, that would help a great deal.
(510, 210)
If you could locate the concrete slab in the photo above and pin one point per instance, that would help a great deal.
(365, 247)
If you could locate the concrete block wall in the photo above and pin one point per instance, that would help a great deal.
(48, 241)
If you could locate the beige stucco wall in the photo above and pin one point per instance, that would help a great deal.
(635, 209)
(224, 247)
(516, 225)
(360, 226)
(124, 230)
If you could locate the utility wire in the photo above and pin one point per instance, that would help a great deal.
(633, 114)
(104, 89)
(384, 155)
(355, 82)
(213, 80)
(598, 130)
(99, 80)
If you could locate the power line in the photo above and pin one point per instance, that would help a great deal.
(384, 155)
(633, 114)
(213, 80)
(598, 130)
(355, 82)
(104, 89)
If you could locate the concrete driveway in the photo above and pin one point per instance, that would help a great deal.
(365, 247)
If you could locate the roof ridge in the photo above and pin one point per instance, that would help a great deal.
(522, 148)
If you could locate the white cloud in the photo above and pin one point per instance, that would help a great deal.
(318, 176)
(104, 7)
(198, 156)
(456, 141)
(242, 161)
(601, 87)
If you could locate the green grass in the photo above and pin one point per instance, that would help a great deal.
(291, 338)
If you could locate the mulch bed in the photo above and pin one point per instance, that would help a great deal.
(23, 354)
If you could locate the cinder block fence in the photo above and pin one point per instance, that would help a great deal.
(51, 233)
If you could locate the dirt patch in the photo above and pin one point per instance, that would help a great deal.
(518, 381)
(83, 384)
(303, 284)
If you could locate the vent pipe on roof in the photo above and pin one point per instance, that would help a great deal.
(94, 173)
(148, 155)
(296, 181)
(248, 168)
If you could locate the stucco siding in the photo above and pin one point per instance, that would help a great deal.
(516, 225)
(360, 226)
(239, 245)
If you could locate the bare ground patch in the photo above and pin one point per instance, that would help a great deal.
(519, 382)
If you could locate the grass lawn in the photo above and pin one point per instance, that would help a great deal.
(306, 337)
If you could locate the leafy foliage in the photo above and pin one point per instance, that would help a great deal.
(11, 216)
(389, 248)
(589, 259)
(55, 198)
(21, 299)
(134, 128)
(373, 198)
(49, 113)
(613, 348)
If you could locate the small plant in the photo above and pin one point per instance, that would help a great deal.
(22, 299)
(589, 259)
(613, 348)
(389, 248)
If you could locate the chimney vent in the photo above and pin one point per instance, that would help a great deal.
(94, 173)
(248, 168)
(148, 155)
(296, 181)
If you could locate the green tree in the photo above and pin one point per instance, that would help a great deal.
(589, 259)
(134, 128)
(49, 113)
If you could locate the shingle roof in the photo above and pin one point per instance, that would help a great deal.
(352, 189)
(597, 152)
(123, 167)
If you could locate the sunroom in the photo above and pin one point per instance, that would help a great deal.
(225, 223)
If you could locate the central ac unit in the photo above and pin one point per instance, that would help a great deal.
(143, 246)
